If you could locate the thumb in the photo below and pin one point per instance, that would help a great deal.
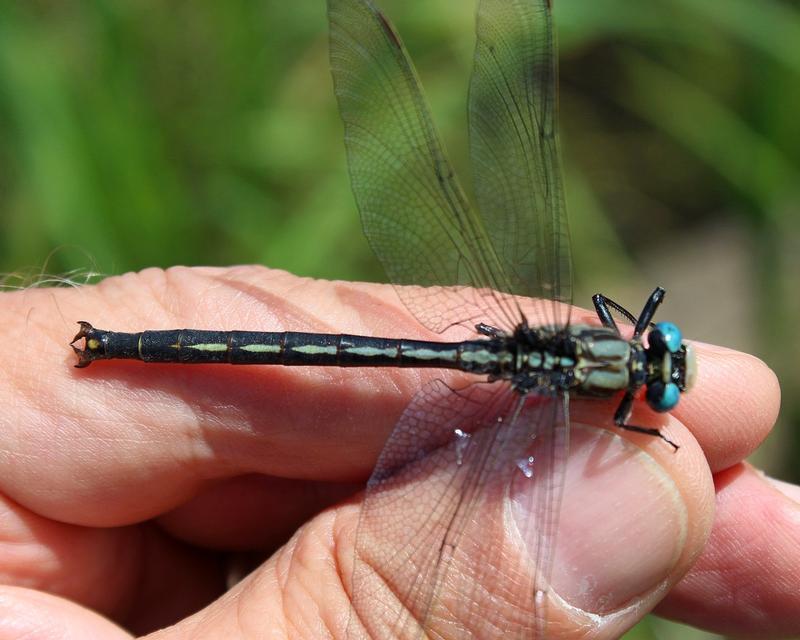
(466, 541)
(634, 518)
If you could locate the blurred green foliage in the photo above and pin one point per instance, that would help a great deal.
(152, 133)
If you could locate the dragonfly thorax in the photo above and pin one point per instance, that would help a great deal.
(590, 360)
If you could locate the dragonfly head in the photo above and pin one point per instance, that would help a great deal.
(671, 364)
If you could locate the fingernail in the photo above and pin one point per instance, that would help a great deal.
(622, 525)
(791, 491)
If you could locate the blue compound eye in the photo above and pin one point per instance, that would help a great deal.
(662, 397)
(669, 335)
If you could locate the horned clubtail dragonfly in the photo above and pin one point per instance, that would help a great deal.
(491, 267)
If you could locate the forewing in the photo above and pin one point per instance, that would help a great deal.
(513, 101)
(439, 552)
(413, 209)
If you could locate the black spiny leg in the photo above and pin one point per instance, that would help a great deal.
(601, 306)
(650, 307)
(489, 331)
(622, 414)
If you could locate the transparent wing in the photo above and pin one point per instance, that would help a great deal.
(457, 530)
(413, 209)
(513, 101)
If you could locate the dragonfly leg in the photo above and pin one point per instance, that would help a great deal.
(622, 414)
(601, 306)
(650, 307)
(489, 331)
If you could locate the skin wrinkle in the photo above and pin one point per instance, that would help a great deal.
(290, 314)
(363, 303)
(285, 556)
(339, 551)
(291, 557)
(403, 613)
(28, 391)
(331, 617)
(308, 572)
(118, 298)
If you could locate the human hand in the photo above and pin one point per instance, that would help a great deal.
(128, 488)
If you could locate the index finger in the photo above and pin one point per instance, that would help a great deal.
(103, 432)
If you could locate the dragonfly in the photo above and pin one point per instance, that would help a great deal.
(489, 267)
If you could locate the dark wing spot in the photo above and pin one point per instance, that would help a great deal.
(389, 30)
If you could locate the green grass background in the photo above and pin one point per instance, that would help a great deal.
(140, 133)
